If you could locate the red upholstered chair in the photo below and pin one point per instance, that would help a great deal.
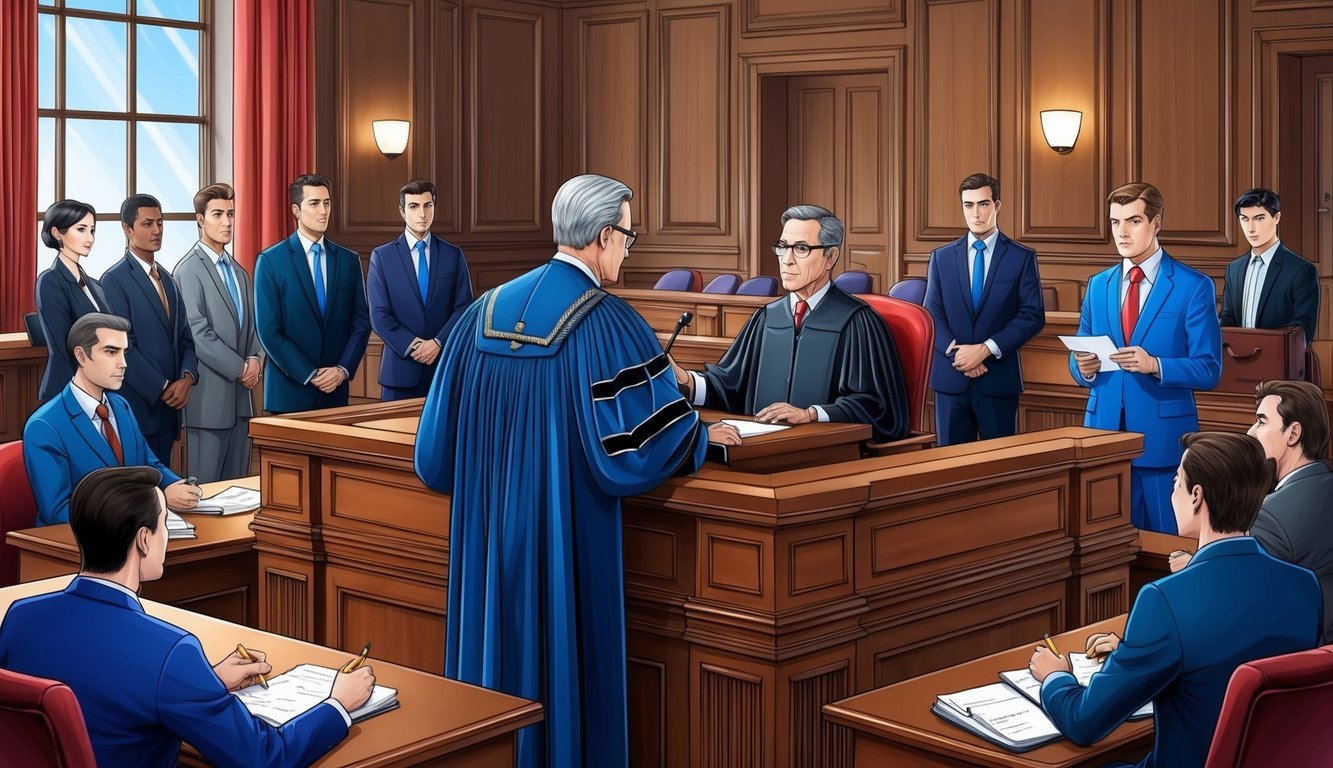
(914, 336)
(681, 280)
(17, 508)
(1275, 713)
(41, 724)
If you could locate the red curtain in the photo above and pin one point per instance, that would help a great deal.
(18, 163)
(272, 93)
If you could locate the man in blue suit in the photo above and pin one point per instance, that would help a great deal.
(310, 308)
(1269, 287)
(1189, 631)
(161, 359)
(87, 426)
(145, 685)
(1162, 317)
(417, 286)
(984, 293)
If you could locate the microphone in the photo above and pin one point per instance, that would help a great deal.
(685, 319)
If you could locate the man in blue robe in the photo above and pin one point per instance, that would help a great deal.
(552, 400)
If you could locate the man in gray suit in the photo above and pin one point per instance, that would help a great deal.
(1294, 523)
(219, 300)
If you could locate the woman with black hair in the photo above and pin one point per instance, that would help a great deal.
(64, 292)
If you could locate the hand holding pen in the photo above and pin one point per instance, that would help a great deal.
(354, 683)
(243, 667)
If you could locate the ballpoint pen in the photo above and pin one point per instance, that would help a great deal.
(244, 654)
(1051, 645)
(356, 663)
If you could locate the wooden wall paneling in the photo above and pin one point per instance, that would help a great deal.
(1064, 63)
(865, 205)
(812, 110)
(1182, 103)
(1286, 5)
(734, 697)
(403, 619)
(958, 41)
(788, 17)
(658, 683)
(438, 126)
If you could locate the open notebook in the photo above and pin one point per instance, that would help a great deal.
(1009, 713)
(231, 501)
(303, 687)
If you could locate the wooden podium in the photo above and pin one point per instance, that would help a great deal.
(752, 599)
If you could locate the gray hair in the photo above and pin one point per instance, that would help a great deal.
(83, 333)
(830, 226)
(583, 206)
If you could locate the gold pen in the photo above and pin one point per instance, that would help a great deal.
(244, 654)
(1051, 645)
(356, 663)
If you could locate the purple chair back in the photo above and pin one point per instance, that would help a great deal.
(764, 285)
(911, 289)
(723, 284)
(854, 281)
(680, 280)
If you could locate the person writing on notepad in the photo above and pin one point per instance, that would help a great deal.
(1189, 631)
(145, 685)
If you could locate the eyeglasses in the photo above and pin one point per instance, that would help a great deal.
(801, 250)
(630, 235)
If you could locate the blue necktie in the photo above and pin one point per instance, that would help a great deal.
(978, 272)
(319, 277)
(230, 278)
(423, 271)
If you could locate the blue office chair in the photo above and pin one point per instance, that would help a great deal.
(854, 281)
(726, 283)
(764, 285)
(680, 280)
(911, 289)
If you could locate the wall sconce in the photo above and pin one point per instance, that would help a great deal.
(1060, 127)
(391, 136)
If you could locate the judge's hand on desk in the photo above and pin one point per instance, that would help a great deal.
(237, 673)
(182, 495)
(352, 689)
(785, 413)
(723, 434)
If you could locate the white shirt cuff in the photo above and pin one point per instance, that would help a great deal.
(700, 388)
(993, 347)
(820, 413)
(336, 705)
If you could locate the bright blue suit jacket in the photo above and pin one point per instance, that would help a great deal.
(1011, 313)
(295, 337)
(1186, 634)
(145, 685)
(61, 446)
(161, 350)
(397, 312)
(1178, 326)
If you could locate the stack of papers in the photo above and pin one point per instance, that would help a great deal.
(178, 527)
(1084, 669)
(232, 501)
(752, 428)
(302, 688)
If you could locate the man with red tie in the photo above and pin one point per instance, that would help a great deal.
(1162, 316)
(87, 426)
(816, 354)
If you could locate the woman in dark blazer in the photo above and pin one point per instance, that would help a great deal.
(64, 292)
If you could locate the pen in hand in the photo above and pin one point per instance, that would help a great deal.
(356, 663)
(244, 654)
(1050, 644)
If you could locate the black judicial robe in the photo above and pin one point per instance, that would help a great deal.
(843, 361)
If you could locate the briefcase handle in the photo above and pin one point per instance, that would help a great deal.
(1235, 356)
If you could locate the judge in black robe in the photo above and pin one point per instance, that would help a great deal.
(840, 365)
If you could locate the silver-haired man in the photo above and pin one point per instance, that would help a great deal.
(552, 400)
(816, 354)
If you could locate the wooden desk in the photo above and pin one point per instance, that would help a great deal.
(21, 369)
(439, 722)
(895, 727)
(214, 574)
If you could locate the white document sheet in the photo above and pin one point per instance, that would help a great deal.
(301, 688)
(1102, 346)
(752, 428)
(1083, 668)
(231, 501)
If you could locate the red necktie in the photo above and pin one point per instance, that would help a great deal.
(1129, 313)
(109, 432)
(799, 314)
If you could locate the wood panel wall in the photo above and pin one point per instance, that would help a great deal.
(686, 100)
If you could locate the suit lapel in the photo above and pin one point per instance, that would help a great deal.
(140, 278)
(409, 269)
(1156, 298)
(436, 262)
(296, 250)
(210, 267)
(996, 259)
(333, 267)
(84, 426)
(959, 259)
(1270, 280)
(1112, 304)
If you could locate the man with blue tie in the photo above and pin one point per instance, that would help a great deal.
(1162, 317)
(417, 286)
(984, 293)
(310, 308)
(161, 359)
(87, 426)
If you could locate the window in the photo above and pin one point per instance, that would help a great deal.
(121, 96)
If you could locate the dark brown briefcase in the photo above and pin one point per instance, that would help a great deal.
(1252, 355)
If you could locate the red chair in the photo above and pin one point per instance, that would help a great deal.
(18, 510)
(41, 724)
(681, 280)
(1275, 713)
(914, 336)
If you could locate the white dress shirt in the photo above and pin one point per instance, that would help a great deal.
(1150, 266)
(584, 268)
(310, 260)
(412, 241)
(987, 254)
(89, 406)
(1254, 284)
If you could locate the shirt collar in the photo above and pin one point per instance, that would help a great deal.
(989, 241)
(113, 585)
(1150, 266)
(307, 242)
(412, 240)
(145, 266)
(1267, 256)
(584, 268)
(1283, 480)
(811, 302)
(86, 401)
(214, 256)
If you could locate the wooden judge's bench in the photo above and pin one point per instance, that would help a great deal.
(753, 598)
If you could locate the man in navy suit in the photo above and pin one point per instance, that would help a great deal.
(985, 295)
(161, 359)
(1162, 317)
(310, 308)
(144, 685)
(1269, 287)
(86, 426)
(417, 286)
(1188, 632)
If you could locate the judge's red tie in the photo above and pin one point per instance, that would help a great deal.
(109, 432)
(1129, 313)
(799, 314)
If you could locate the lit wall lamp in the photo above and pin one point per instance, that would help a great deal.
(391, 136)
(1060, 127)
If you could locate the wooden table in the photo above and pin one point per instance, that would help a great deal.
(215, 574)
(438, 722)
(895, 727)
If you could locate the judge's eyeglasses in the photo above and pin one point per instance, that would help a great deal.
(801, 250)
(630, 235)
